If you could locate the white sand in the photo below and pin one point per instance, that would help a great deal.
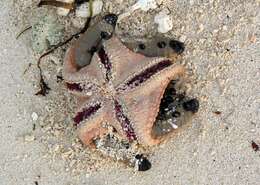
(214, 150)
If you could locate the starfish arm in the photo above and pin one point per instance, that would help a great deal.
(92, 129)
(81, 80)
(91, 41)
(143, 103)
(89, 119)
(123, 61)
(94, 115)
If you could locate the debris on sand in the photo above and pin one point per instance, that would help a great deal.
(255, 146)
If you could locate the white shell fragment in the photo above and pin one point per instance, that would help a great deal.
(29, 138)
(64, 11)
(34, 116)
(144, 5)
(164, 21)
(83, 10)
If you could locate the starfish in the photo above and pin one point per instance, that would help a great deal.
(119, 88)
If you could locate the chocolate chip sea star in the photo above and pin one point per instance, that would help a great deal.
(119, 88)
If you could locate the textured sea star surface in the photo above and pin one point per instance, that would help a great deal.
(119, 88)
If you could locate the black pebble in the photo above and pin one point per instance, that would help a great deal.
(143, 163)
(141, 46)
(255, 146)
(111, 19)
(191, 105)
(171, 91)
(105, 35)
(177, 46)
(59, 78)
(139, 156)
(161, 44)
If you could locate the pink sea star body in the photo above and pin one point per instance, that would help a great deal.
(120, 88)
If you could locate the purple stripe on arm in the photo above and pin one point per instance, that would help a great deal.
(147, 73)
(74, 87)
(86, 113)
(125, 122)
(105, 61)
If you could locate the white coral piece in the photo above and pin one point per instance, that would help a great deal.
(164, 22)
(84, 11)
(144, 5)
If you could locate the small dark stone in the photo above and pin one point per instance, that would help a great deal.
(161, 44)
(176, 114)
(177, 46)
(255, 146)
(59, 78)
(141, 46)
(143, 163)
(171, 91)
(139, 156)
(191, 105)
(105, 35)
(111, 19)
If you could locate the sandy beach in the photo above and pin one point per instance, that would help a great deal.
(39, 146)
